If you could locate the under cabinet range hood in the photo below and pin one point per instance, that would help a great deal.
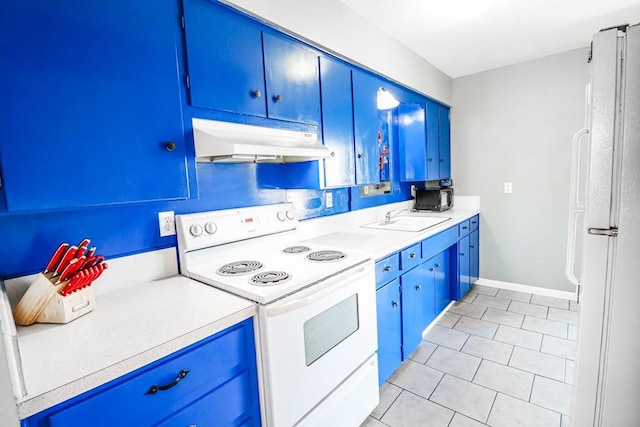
(217, 141)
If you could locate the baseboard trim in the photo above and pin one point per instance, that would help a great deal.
(556, 293)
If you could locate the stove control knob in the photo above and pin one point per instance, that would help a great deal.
(281, 216)
(210, 227)
(195, 230)
(290, 214)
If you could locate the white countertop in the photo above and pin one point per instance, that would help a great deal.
(128, 329)
(346, 230)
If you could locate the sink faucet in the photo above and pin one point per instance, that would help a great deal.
(387, 216)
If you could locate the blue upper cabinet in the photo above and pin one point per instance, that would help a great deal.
(444, 142)
(424, 136)
(337, 123)
(92, 103)
(367, 132)
(235, 66)
(412, 147)
(224, 53)
(293, 81)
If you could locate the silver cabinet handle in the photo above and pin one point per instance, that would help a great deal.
(610, 232)
(387, 268)
(412, 255)
(256, 93)
(418, 287)
(394, 303)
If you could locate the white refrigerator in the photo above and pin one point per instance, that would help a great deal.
(607, 376)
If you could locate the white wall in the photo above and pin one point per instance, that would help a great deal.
(515, 124)
(333, 26)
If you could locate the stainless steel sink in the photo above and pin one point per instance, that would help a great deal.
(407, 223)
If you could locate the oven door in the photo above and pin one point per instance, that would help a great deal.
(313, 340)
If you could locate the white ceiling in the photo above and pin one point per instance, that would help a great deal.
(462, 37)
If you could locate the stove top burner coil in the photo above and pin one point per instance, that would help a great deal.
(239, 267)
(326, 256)
(270, 278)
(296, 249)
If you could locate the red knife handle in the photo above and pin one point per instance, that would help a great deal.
(71, 268)
(81, 250)
(66, 259)
(57, 255)
(76, 281)
(91, 251)
(85, 242)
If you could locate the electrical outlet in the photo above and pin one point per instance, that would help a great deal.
(508, 187)
(167, 223)
(328, 199)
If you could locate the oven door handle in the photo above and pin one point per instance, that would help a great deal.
(278, 309)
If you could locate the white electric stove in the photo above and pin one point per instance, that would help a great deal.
(316, 324)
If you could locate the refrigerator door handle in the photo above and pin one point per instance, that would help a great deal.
(609, 232)
(576, 204)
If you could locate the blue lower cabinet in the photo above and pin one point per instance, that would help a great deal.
(212, 382)
(418, 306)
(474, 256)
(441, 279)
(464, 279)
(389, 329)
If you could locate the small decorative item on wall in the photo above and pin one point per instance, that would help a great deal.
(383, 149)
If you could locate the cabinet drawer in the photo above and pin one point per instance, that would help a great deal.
(410, 257)
(438, 243)
(464, 228)
(210, 362)
(386, 269)
(474, 223)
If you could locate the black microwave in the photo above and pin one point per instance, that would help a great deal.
(439, 199)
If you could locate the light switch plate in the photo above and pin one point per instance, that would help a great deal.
(328, 199)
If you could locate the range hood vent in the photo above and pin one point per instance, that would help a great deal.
(217, 141)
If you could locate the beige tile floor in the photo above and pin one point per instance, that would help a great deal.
(497, 358)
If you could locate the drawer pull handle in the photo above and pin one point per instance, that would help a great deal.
(387, 268)
(474, 222)
(412, 255)
(472, 247)
(461, 253)
(155, 388)
(464, 228)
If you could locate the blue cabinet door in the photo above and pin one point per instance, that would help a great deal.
(292, 79)
(412, 142)
(433, 144)
(474, 256)
(444, 142)
(337, 122)
(442, 280)
(389, 329)
(224, 54)
(463, 266)
(418, 303)
(92, 106)
(366, 118)
(417, 288)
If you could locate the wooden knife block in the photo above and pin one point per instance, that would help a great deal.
(43, 303)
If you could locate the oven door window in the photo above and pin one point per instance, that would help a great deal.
(329, 328)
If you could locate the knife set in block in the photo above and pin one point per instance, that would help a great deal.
(43, 303)
(63, 292)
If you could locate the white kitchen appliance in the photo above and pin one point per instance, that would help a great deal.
(607, 375)
(316, 323)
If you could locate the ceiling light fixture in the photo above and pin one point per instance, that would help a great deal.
(386, 101)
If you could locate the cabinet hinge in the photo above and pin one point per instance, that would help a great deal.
(182, 21)
(187, 81)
